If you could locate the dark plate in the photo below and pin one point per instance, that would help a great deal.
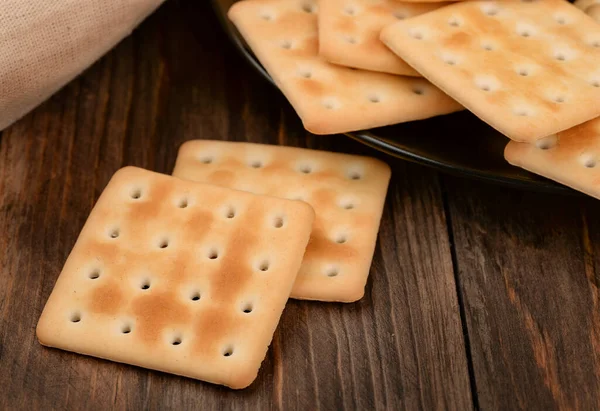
(458, 143)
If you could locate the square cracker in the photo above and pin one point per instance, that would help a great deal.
(347, 192)
(177, 276)
(349, 32)
(572, 157)
(529, 69)
(328, 98)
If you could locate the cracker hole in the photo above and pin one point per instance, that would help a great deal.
(522, 112)
(176, 341)
(94, 274)
(213, 254)
(145, 285)
(454, 22)
(247, 308)
(308, 8)
(164, 243)
(595, 83)
(264, 266)
(560, 56)
(560, 19)
(228, 352)
(267, 15)
(341, 239)
(525, 32)
(207, 160)
(590, 163)
(354, 175)
(595, 43)
(350, 39)
(330, 104)
(348, 206)
(333, 272)
(75, 317)
(350, 11)
(183, 203)
(490, 9)
(523, 72)
(418, 91)
(416, 34)
(305, 169)
(451, 61)
(256, 164)
(400, 15)
(136, 194)
(487, 83)
(488, 46)
(230, 213)
(126, 329)
(304, 73)
(278, 222)
(559, 99)
(374, 99)
(286, 44)
(195, 296)
(546, 143)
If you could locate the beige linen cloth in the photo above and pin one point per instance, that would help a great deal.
(46, 43)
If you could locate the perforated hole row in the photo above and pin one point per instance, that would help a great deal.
(176, 340)
(561, 53)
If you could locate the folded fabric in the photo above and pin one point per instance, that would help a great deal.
(45, 44)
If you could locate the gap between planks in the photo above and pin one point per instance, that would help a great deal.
(459, 298)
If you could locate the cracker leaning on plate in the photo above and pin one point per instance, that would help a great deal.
(329, 98)
(346, 191)
(572, 157)
(529, 69)
(349, 32)
(180, 277)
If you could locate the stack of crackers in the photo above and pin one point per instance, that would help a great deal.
(529, 68)
(190, 273)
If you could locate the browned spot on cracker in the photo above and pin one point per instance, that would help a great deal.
(156, 310)
(345, 25)
(311, 87)
(459, 40)
(106, 299)
(211, 326)
(320, 245)
(221, 177)
(231, 278)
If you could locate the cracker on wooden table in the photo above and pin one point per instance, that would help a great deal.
(177, 276)
(349, 32)
(329, 98)
(529, 69)
(346, 191)
(571, 157)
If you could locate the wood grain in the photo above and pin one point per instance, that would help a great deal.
(177, 78)
(526, 265)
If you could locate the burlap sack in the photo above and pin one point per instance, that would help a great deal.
(46, 43)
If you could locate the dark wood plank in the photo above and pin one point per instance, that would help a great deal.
(176, 79)
(527, 273)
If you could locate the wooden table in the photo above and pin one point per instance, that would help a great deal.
(479, 296)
